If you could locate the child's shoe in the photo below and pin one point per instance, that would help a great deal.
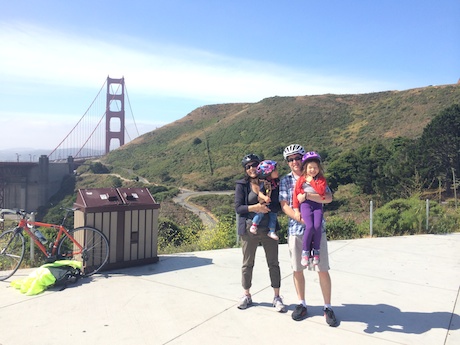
(273, 235)
(315, 257)
(253, 229)
(305, 260)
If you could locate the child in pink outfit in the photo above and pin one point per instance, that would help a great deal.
(312, 180)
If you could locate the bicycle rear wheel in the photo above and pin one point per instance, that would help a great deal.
(95, 251)
(12, 249)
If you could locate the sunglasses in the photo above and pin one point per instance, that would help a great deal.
(296, 158)
(253, 165)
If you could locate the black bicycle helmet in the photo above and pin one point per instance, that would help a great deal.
(250, 158)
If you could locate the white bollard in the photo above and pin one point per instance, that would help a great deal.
(370, 217)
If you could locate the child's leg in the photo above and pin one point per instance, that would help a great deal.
(255, 222)
(317, 229)
(272, 226)
(257, 218)
(305, 211)
(272, 221)
(307, 216)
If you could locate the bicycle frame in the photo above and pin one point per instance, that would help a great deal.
(27, 225)
(86, 244)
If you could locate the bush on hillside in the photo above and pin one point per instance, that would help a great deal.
(408, 217)
(341, 229)
(171, 236)
(219, 237)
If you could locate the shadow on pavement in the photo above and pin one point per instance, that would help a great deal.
(386, 318)
(165, 264)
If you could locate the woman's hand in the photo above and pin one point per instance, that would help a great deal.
(260, 208)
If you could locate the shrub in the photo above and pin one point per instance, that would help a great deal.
(283, 220)
(221, 236)
(408, 216)
(341, 229)
(443, 222)
(98, 168)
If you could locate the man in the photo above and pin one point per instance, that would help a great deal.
(293, 155)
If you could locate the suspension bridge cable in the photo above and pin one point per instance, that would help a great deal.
(79, 120)
(94, 130)
(132, 114)
(99, 122)
(113, 93)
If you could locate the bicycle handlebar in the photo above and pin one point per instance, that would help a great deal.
(12, 211)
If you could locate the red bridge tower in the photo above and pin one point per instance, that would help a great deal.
(115, 113)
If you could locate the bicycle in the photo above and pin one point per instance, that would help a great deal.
(84, 243)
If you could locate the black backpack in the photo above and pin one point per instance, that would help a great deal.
(65, 275)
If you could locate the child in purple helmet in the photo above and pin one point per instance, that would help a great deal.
(312, 180)
(269, 194)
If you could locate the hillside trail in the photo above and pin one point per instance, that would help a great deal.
(183, 199)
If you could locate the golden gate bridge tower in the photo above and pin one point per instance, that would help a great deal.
(115, 113)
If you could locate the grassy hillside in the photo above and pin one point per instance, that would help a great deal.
(203, 150)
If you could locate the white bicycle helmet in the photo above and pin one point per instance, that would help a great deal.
(292, 150)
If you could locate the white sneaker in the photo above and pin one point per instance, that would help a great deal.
(279, 305)
(273, 235)
(305, 261)
(316, 260)
(245, 302)
(253, 229)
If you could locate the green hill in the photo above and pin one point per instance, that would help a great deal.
(203, 150)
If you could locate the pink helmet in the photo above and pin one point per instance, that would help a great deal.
(311, 156)
(265, 168)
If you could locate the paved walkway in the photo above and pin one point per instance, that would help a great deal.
(399, 290)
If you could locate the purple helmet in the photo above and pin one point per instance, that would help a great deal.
(265, 168)
(311, 156)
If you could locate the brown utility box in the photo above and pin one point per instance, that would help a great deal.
(129, 219)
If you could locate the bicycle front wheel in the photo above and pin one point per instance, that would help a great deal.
(12, 249)
(95, 252)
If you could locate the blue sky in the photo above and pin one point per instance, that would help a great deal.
(177, 55)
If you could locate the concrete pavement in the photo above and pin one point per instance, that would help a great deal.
(398, 290)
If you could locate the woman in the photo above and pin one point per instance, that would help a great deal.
(246, 206)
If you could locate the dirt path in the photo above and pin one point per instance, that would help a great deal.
(183, 199)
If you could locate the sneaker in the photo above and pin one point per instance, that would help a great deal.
(253, 229)
(279, 305)
(245, 302)
(305, 261)
(273, 236)
(330, 317)
(316, 260)
(299, 313)
(315, 257)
